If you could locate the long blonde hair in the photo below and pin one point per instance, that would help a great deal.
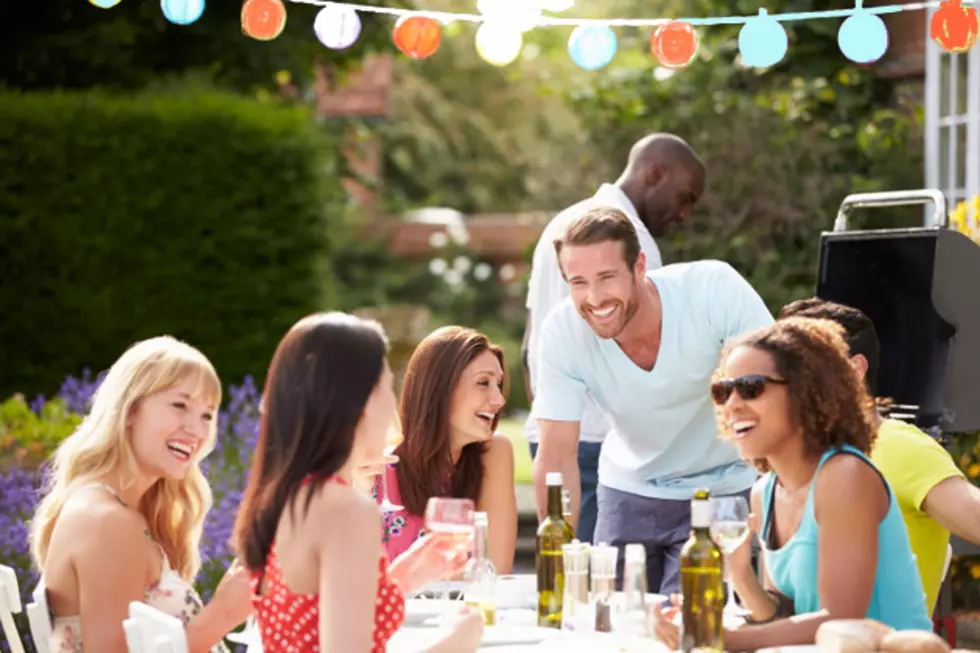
(174, 509)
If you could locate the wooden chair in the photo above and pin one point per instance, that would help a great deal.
(9, 606)
(943, 620)
(39, 617)
(249, 637)
(149, 630)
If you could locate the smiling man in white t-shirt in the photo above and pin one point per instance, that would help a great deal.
(643, 344)
(662, 181)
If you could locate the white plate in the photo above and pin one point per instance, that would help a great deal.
(517, 591)
(516, 635)
(419, 610)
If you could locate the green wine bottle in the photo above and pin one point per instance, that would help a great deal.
(553, 533)
(701, 583)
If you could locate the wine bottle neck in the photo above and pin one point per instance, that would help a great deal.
(480, 542)
(554, 501)
(701, 515)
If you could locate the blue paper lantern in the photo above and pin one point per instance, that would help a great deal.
(182, 12)
(863, 37)
(762, 41)
(592, 46)
(104, 4)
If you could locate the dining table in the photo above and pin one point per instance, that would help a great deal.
(515, 629)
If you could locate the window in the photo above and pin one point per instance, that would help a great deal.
(952, 121)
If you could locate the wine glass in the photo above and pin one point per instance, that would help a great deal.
(452, 519)
(729, 529)
(391, 443)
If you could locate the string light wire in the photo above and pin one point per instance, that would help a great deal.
(553, 21)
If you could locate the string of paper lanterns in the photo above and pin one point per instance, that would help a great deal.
(762, 41)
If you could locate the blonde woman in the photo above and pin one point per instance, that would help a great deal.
(124, 509)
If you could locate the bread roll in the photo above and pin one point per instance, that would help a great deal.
(913, 641)
(850, 635)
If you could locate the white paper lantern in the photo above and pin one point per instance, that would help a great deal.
(337, 26)
(497, 43)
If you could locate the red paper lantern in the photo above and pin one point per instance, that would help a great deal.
(417, 36)
(263, 20)
(954, 26)
(674, 44)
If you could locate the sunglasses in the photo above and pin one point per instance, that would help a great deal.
(748, 387)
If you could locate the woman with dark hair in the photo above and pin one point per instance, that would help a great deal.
(310, 540)
(454, 391)
(833, 540)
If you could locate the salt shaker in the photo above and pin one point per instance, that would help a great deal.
(577, 613)
(604, 558)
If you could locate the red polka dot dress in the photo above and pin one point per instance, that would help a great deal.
(289, 622)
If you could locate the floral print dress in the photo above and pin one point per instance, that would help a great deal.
(401, 528)
(171, 594)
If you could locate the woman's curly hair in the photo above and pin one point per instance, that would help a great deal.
(826, 397)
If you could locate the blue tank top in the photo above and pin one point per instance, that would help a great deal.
(898, 599)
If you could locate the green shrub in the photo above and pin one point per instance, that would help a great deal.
(27, 438)
(206, 215)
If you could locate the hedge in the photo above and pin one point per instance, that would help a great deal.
(206, 216)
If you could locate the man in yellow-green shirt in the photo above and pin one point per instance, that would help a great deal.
(933, 494)
(914, 464)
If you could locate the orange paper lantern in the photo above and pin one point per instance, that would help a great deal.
(263, 20)
(954, 27)
(674, 44)
(417, 36)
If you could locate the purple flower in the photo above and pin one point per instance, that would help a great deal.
(77, 393)
(37, 405)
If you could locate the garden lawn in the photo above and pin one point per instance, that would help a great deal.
(514, 430)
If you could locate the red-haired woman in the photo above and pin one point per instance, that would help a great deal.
(451, 401)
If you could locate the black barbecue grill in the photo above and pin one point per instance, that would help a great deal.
(916, 285)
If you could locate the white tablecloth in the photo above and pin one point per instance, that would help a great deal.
(516, 631)
(412, 640)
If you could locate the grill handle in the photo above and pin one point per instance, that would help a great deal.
(894, 198)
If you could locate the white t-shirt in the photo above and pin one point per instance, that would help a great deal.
(546, 288)
(663, 440)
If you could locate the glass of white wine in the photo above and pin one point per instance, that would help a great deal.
(453, 520)
(391, 443)
(729, 529)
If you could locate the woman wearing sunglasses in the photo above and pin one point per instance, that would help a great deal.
(833, 541)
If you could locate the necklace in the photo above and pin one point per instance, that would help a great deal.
(115, 494)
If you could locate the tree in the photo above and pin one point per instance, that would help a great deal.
(782, 146)
(73, 44)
